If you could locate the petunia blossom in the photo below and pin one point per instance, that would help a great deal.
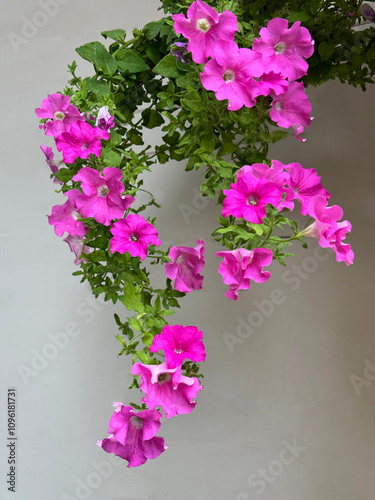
(271, 82)
(133, 435)
(51, 162)
(284, 50)
(187, 263)
(180, 51)
(179, 343)
(64, 114)
(241, 265)
(204, 27)
(166, 387)
(305, 184)
(248, 198)
(77, 246)
(325, 217)
(64, 217)
(81, 141)
(230, 74)
(104, 120)
(102, 198)
(332, 238)
(133, 234)
(292, 109)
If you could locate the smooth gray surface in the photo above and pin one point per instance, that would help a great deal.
(290, 381)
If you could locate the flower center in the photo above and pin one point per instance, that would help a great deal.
(76, 215)
(103, 191)
(278, 106)
(280, 48)
(178, 351)
(229, 76)
(251, 200)
(59, 115)
(85, 145)
(203, 25)
(133, 237)
(164, 377)
(136, 421)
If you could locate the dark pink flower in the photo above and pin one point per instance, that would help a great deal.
(305, 184)
(133, 234)
(104, 120)
(240, 266)
(284, 50)
(325, 217)
(368, 12)
(133, 435)
(187, 263)
(64, 217)
(77, 246)
(292, 109)
(179, 343)
(271, 82)
(102, 194)
(332, 238)
(64, 114)
(81, 141)
(53, 164)
(166, 387)
(204, 27)
(249, 196)
(230, 75)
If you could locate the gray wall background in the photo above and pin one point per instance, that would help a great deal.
(294, 381)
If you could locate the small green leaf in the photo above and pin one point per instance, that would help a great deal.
(152, 118)
(96, 53)
(168, 67)
(135, 324)
(129, 60)
(119, 35)
(147, 339)
(326, 50)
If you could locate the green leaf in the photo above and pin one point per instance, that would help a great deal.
(166, 313)
(96, 53)
(144, 358)
(325, 50)
(135, 324)
(147, 339)
(99, 87)
(152, 118)
(119, 35)
(152, 29)
(121, 340)
(64, 174)
(168, 67)
(129, 60)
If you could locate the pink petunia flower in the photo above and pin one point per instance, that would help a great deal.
(240, 266)
(305, 184)
(325, 217)
(271, 82)
(81, 141)
(133, 435)
(292, 109)
(230, 74)
(102, 194)
(179, 343)
(53, 164)
(180, 52)
(64, 114)
(64, 217)
(104, 120)
(166, 387)
(77, 246)
(133, 234)
(204, 27)
(332, 238)
(248, 198)
(284, 50)
(187, 263)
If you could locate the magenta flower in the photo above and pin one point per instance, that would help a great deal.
(292, 109)
(81, 141)
(133, 435)
(166, 387)
(230, 75)
(104, 120)
(284, 50)
(368, 12)
(204, 27)
(64, 114)
(332, 238)
(133, 234)
(64, 217)
(77, 246)
(240, 266)
(305, 184)
(249, 196)
(53, 164)
(325, 217)
(102, 194)
(179, 343)
(271, 82)
(187, 263)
